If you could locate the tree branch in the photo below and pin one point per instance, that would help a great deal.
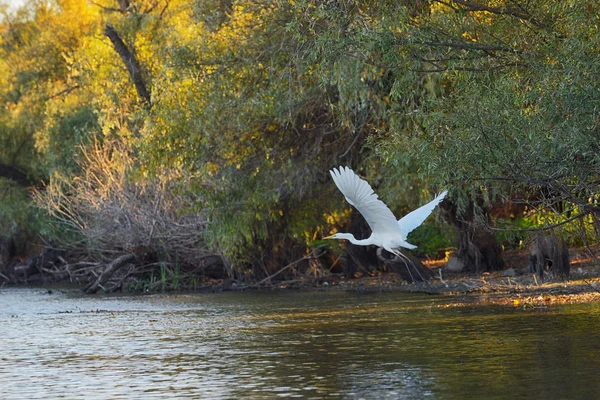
(542, 228)
(109, 271)
(472, 6)
(473, 46)
(131, 62)
(471, 69)
(106, 8)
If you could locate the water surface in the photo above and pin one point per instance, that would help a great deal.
(291, 344)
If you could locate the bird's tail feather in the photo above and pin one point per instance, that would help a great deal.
(407, 245)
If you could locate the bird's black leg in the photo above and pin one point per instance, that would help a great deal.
(408, 269)
(405, 258)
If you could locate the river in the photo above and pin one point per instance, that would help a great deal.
(291, 344)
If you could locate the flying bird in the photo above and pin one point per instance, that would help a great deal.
(386, 231)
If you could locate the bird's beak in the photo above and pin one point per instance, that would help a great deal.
(328, 237)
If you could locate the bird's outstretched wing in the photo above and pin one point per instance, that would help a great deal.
(359, 194)
(416, 217)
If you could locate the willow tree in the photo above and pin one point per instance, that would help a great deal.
(494, 99)
(515, 114)
(41, 122)
(236, 110)
(244, 113)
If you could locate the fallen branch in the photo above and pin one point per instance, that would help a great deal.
(309, 256)
(109, 271)
(119, 285)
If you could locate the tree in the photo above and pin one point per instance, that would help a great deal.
(517, 113)
(234, 111)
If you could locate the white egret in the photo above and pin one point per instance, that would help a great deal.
(386, 231)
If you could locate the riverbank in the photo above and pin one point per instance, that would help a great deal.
(487, 289)
(513, 287)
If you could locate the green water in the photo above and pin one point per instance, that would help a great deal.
(292, 344)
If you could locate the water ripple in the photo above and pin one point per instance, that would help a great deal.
(266, 345)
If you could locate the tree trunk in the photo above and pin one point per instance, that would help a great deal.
(15, 174)
(135, 71)
(549, 255)
(124, 6)
(478, 249)
(7, 252)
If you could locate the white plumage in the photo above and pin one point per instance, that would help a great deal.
(386, 231)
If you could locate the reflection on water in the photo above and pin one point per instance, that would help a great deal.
(291, 344)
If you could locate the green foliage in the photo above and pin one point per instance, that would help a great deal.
(68, 137)
(252, 103)
(518, 120)
(518, 233)
(431, 239)
(16, 212)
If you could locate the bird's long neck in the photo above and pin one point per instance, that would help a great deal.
(360, 242)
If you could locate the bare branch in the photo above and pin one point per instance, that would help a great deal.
(109, 271)
(471, 69)
(543, 228)
(521, 14)
(473, 46)
(112, 9)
